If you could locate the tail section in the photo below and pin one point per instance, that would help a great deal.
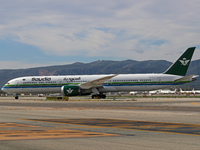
(181, 65)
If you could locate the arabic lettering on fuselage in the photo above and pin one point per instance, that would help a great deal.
(72, 79)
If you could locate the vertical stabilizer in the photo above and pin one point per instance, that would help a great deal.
(181, 65)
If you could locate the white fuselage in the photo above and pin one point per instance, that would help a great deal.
(121, 82)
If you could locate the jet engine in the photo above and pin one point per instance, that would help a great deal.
(73, 90)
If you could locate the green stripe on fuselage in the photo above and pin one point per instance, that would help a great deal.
(107, 83)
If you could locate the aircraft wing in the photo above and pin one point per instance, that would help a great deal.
(96, 83)
(187, 78)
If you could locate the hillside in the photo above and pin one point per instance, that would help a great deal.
(99, 67)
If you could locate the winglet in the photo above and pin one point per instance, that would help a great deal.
(181, 65)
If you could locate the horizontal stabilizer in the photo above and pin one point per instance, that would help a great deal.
(187, 78)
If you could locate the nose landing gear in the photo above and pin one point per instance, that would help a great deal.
(16, 96)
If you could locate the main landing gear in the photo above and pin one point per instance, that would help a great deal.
(98, 96)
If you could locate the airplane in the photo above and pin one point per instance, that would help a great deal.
(196, 91)
(185, 92)
(98, 85)
(190, 92)
(133, 92)
(166, 91)
(153, 92)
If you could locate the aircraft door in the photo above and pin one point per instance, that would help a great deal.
(17, 83)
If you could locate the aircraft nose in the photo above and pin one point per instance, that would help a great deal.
(3, 89)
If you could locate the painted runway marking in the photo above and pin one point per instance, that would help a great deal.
(47, 134)
(11, 125)
(167, 127)
(195, 103)
(18, 134)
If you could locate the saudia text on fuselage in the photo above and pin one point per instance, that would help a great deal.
(41, 79)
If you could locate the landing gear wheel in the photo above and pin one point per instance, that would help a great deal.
(103, 96)
(99, 96)
(16, 97)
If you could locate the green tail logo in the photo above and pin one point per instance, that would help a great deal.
(184, 62)
(181, 65)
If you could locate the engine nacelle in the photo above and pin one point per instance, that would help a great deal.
(70, 90)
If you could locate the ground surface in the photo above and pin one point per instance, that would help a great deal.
(145, 123)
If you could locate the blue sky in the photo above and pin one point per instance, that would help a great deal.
(56, 32)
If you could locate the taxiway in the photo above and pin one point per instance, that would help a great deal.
(143, 123)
